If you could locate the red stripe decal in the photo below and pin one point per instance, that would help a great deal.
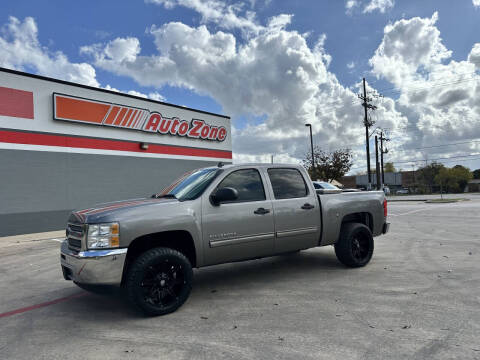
(16, 103)
(37, 306)
(112, 207)
(17, 137)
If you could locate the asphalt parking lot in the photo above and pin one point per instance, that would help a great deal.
(419, 298)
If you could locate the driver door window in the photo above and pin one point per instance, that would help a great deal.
(247, 182)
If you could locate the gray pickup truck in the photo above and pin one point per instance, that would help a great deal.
(211, 216)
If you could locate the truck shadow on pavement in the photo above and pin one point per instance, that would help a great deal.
(315, 263)
(318, 264)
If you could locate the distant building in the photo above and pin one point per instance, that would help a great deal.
(395, 180)
(473, 186)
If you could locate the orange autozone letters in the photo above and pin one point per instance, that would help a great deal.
(71, 108)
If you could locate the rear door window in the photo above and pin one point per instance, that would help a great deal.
(287, 183)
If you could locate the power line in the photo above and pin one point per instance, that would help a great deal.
(428, 87)
(451, 158)
(350, 146)
(403, 89)
(447, 158)
(434, 81)
(441, 145)
(448, 161)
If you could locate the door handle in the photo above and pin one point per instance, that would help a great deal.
(307, 206)
(261, 211)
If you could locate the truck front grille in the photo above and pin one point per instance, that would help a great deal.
(75, 234)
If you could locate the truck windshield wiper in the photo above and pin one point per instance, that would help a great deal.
(159, 196)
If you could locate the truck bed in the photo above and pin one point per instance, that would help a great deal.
(335, 206)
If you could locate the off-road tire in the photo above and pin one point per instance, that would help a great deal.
(148, 280)
(355, 245)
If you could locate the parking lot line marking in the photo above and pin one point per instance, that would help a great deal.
(58, 240)
(408, 212)
(37, 306)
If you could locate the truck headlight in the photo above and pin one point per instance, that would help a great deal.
(103, 236)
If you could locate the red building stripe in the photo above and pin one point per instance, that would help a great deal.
(18, 137)
(16, 103)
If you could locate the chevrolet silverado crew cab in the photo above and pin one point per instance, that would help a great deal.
(211, 216)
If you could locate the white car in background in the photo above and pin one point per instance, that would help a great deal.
(323, 185)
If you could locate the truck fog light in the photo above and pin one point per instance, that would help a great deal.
(103, 236)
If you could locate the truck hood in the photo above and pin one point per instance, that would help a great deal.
(102, 212)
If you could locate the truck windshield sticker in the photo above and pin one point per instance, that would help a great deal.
(71, 108)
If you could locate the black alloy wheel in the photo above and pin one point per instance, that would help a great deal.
(159, 281)
(355, 246)
(360, 246)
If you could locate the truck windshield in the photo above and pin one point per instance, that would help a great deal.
(190, 185)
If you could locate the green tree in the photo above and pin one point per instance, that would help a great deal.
(454, 179)
(426, 176)
(476, 174)
(389, 168)
(328, 165)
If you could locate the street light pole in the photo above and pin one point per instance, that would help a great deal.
(311, 145)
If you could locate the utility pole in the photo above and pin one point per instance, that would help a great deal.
(367, 123)
(377, 165)
(382, 139)
(311, 146)
(272, 159)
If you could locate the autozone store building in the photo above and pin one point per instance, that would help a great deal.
(66, 146)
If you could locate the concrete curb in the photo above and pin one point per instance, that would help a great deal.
(398, 200)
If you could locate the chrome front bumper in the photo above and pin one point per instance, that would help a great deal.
(102, 267)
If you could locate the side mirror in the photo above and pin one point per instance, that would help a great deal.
(223, 195)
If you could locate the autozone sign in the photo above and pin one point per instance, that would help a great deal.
(88, 111)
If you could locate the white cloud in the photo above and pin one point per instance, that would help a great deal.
(408, 45)
(439, 96)
(351, 65)
(350, 4)
(273, 74)
(152, 95)
(474, 56)
(380, 5)
(20, 49)
(227, 16)
(476, 3)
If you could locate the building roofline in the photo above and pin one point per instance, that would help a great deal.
(64, 82)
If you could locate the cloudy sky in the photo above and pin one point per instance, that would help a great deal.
(274, 66)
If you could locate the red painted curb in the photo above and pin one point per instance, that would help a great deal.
(37, 306)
